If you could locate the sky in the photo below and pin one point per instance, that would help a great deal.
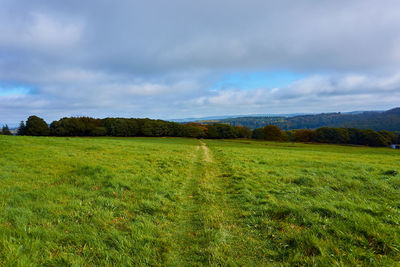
(178, 58)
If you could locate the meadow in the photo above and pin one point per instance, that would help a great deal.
(188, 202)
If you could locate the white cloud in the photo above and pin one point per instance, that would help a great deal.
(41, 31)
(47, 31)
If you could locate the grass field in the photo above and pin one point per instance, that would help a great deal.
(188, 202)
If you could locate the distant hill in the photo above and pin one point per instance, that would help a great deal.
(218, 118)
(376, 120)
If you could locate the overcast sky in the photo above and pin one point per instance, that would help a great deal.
(178, 58)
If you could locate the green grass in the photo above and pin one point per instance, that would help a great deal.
(185, 202)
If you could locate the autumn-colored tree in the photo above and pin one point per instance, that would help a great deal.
(194, 129)
(272, 133)
(243, 132)
(304, 135)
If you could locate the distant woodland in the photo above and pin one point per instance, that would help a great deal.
(388, 120)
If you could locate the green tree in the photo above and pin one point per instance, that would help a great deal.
(355, 136)
(77, 126)
(193, 131)
(390, 136)
(212, 131)
(68, 127)
(220, 130)
(21, 129)
(372, 138)
(6, 130)
(258, 134)
(36, 126)
(153, 128)
(332, 135)
(121, 127)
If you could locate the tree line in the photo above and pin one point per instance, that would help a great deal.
(366, 137)
(124, 127)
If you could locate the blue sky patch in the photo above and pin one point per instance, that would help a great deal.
(253, 80)
(7, 89)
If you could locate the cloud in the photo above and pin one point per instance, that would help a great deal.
(319, 93)
(41, 31)
(163, 58)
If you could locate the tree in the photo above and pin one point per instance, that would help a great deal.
(285, 137)
(77, 126)
(258, 134)
(304, 135)
(212, 131)
(243, 132)
(272, 133)
(372, 138)
(68, 127)
(121, 127)
(355, 136)
(332, 135)
(153, 128)
(21, 129)
(36, 126)
(193, 129)
(6, 130)
(220, 130)
(390, 136)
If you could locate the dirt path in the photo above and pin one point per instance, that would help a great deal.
(207, 153)
(204, 224)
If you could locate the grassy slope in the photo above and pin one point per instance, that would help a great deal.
(314, 204)
(149, 201)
